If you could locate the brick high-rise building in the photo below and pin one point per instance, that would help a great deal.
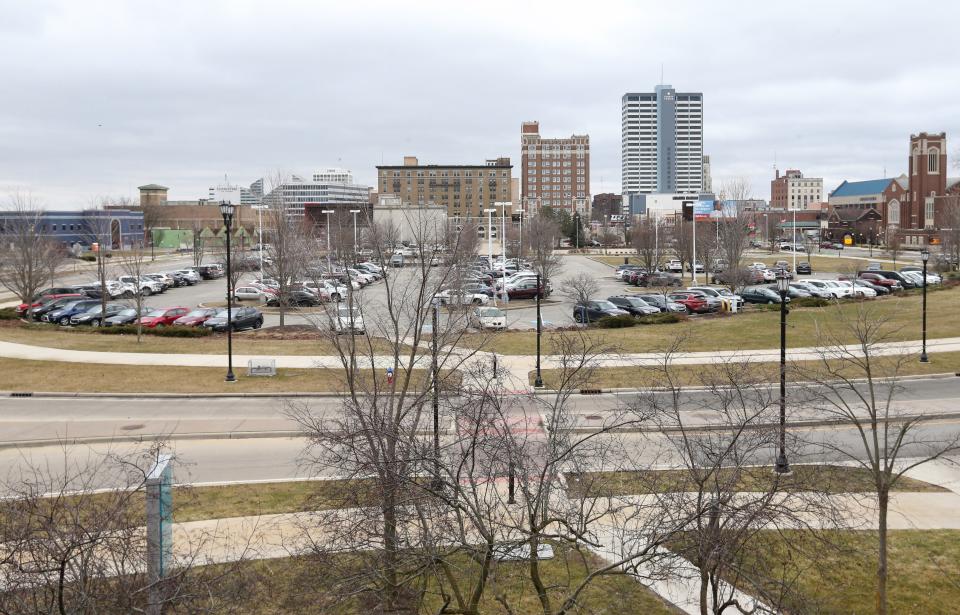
(794, 192)
(555, 172)
(464, 190)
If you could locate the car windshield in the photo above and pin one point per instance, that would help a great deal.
(221, 314)
(156, 313)
(492, 313)
(128, 312)
(604, 305)
(196, 313)
(95, 308)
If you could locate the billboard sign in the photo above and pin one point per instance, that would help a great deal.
(702, 210)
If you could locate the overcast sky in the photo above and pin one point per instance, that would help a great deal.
(100, 97)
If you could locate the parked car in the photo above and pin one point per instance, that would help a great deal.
(180, 280)
(478, 288)
(210, 272)
(904, 280)
(812, 290)
(144, 285)
(794, 292)
(879, 280)
(694, 302)
(633, 305)
(527, 289)
(803, 268)
(65, 312)
(662, 303)
(95, 315)
(396, 260)
(195, 318)
(760, 294)
(487, 317)
(594, 310)
(877, 288)
(674, 266)
(162, 317)
(657, 279)
(45, 295)
(247, 293)
(833, 289)
(163, 278)
(294, 298)
(856, 290)
(45, 303)
(719, 293)
(240, 318)
(127, 316)
(623, 269)
(190, 274)
(457, 296)
(874, 266)
(348, 320)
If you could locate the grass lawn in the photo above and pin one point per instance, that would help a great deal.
(56, 376)
(694, 375)
(837, 574)
(303, 585)
(832, 479)
(753, 329)
(259, 343)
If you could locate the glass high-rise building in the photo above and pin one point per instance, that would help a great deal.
(662, 142)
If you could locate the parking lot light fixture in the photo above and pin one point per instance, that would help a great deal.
(538, 382)
(327, 213)
(783, 284)
(924, 256)
(226, 210)
(355, 246)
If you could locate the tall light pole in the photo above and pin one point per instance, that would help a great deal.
(260, 237)
(327, 213)
(503, 245)
(538, 382)
(435, 378)
(794, 242)
(520, 249)
(783, 283)
(576, 229)
(924, 256)
(355, 247)
(489, 213)
(226, 210)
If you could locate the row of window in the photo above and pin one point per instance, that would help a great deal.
(383, 174)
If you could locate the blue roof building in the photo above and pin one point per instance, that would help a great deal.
(113, 228)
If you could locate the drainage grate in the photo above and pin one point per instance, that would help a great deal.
(21, 394)
(589, 391)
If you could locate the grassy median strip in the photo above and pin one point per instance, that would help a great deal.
(831, 479)
(314, 585)
(297, 340)
(63, 377)
(754, 329)
(835, 571)
(635, 377)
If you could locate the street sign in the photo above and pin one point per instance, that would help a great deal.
(262, 367)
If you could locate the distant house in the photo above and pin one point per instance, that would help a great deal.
(868, 209)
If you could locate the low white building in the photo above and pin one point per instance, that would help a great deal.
(326, 186)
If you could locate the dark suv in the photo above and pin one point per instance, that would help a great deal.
(592, 311)
(657, 279)
(634, 305)
(893, 275)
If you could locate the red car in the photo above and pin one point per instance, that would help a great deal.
(693, 303)
(195, 318)
(162, 317)
(879, 280)
(47, 295)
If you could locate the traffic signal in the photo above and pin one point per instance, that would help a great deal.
(688, 211)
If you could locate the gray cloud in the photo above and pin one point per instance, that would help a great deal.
(100, 97)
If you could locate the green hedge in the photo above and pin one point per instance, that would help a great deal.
(164, 332)
(9, 314)
(807, 302)
(616, 322)
(663, 318)
(90, 258)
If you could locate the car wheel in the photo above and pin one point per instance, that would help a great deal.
(770, 302)
(128, 294)
(159, 326)
(95, 322)
(64, 321)
(335, 297)
(258, 324)
(577, 317)
(146, 291)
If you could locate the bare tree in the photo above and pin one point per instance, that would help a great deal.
(27, 258)
(734, 231)
(98, 232)
(580, 288)
(681, 242)
(950, 234)
(894, 243)
(735, 189)
(288, 243)
(859, 384)
(645, 238)
(133, 265)
(541, 233)
(199, 247)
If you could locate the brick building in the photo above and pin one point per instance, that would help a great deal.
(865, 209)
(792, 191)
(606, 204)
(465, 191)
(554, 172)
(928, 180)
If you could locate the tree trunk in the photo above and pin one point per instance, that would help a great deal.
(391, 596)
(883, 500)
(704, 601)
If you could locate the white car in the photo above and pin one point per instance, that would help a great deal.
(674, 266)
(489, 318)
(857, 290)
(512, 280)
(146, 286)
(825, 286)
(461, 297)
(363, 278)
(247, 293)
(719, 293)
(769, 275)
(348, 320)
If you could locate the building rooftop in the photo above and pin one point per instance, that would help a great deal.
(863, 188)
(152, 187)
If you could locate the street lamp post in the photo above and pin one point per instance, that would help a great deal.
(355, 247)
(576, 229)
(538, 382)
(435, 378)
(924, 256)
(327, 212)
(489, 213)
(260, 237)
(783, 283)
(227, 209)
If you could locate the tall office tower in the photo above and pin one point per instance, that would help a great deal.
(662, 141)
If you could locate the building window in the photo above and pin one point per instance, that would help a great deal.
(916, 155)
(893, 212)
(928, 213)
(933, 160)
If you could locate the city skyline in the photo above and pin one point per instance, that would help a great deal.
(86, 120)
